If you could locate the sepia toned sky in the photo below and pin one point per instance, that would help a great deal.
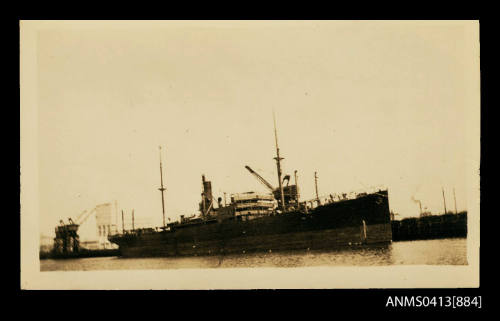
(362, 103)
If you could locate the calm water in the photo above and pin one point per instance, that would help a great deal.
(427, 252)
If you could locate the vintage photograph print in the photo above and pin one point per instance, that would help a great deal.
(249, 154)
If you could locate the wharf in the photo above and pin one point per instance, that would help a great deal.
(430, 227)
(80, 254)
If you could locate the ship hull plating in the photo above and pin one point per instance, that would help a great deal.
(365, 220)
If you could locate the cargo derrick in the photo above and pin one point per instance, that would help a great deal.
(290, 192)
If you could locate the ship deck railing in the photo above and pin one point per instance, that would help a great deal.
(342, 197)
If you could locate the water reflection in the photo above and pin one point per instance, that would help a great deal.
(427, 252)
(365, 255)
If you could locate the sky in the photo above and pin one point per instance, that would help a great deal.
(363, 104)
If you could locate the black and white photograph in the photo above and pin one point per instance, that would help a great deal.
(185, 154)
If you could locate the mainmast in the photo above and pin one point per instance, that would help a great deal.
(162, 190)
(278, 166)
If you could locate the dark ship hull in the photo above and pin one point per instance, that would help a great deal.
(364, 220)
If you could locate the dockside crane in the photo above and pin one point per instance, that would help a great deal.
(83, 216)
(67, 239)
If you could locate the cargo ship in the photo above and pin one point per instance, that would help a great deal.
(273, 221)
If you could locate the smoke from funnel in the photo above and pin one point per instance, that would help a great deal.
(418, 202)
